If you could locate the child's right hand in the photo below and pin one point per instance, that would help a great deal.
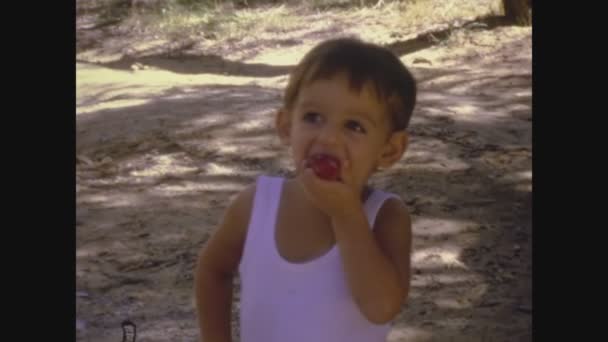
(335, 198)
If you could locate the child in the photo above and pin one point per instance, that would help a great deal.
(322, 257)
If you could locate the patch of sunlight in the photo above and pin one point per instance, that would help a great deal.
(210, 119)
(261, 148)
(100, 75)
(432, 96)
(464, 109)
(437, 257)
(432, 226)
(267, 154)
(110, 105)
(178, 97)
(88, 94)
(517, 107)
(426, 280)
(252, 123)
(229, 171)
(522, 180)
(217, 169)
(163, 165)
(400, 333)
(284, 57)
(523, 93)
(519, 176)
(238, 146)
(111, 200)
(88, 252)
(152, 80)
(228, 149)
(192, 187)
(223, 186)
(182, 188)
(154, 76)
(279, 83)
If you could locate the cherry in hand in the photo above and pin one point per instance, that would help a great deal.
(325, 167)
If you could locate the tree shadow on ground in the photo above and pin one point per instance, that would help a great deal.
(177, 59)
(198, 64)
(431, 38)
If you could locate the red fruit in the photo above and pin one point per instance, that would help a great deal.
(325, 167)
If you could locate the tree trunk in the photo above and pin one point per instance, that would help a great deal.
(518, 11)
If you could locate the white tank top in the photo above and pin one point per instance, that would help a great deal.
(303, 302)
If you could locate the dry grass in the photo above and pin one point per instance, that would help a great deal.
(219, 23)
(261, 21)
(420, 13)
(224, 24)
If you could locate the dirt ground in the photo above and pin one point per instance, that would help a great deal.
(164, 141)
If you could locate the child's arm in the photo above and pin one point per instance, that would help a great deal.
(377, 263)
(217, 262)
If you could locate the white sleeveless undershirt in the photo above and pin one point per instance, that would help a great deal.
(304, 302)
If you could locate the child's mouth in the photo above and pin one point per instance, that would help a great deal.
(325, 166)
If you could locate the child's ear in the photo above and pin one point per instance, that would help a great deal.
(283, 126)
(394, 149)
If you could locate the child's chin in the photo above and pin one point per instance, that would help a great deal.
(338, 179)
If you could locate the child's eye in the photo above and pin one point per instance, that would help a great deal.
(355, 126)
(312, 117)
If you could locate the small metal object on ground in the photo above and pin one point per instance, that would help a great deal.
(133, 333)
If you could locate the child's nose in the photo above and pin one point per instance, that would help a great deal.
(329, 135)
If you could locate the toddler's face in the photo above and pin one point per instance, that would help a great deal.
(329, 118)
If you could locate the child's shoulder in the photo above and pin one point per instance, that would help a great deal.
(382, 195)
(393, 209)
(242, 202)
